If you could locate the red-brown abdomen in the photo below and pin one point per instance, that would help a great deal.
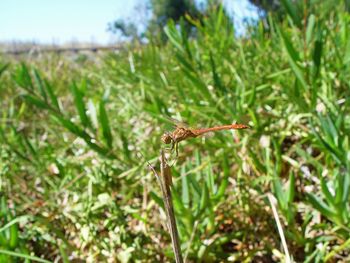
(220, 128)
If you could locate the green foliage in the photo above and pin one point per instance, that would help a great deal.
(75, 142)
(11, 246)
(175, 10)
(165, 10)
(162, 12)
(125, 28)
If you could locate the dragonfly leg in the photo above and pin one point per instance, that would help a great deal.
(170, 149)
(177, 149)
(173, 163)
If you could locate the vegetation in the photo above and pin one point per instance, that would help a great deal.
(161, 12)
(76, 136)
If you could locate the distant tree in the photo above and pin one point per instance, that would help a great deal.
(162, 11)
(127, 29)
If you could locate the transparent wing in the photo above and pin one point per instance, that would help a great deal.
(177, 123)
(181, 124)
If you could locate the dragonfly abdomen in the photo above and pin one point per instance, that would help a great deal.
(220, 128)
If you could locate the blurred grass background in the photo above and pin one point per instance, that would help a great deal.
(75, 136)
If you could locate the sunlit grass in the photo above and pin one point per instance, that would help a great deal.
(75, 138)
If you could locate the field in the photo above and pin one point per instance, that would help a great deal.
(77, 133)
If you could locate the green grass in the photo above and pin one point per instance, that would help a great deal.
(76, 137)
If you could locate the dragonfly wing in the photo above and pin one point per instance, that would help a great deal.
(177, 123)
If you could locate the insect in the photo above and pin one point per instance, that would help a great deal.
(182, 132)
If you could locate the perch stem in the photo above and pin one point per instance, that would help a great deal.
(165, 181)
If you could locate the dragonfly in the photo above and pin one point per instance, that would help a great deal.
(183, 132)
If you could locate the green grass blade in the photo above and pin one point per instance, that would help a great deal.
(205, 199)
(52, 96)
(279, 193)
(185, 187)
(40, 84)
(317, 203)
(292, 52)
(14, 236)
(216, 78)
(79, 104)
(292, 11)
(23, 78)
(70, 126)
(310, 28)
(3, 68)
(36, 102)
(346, 187)
(327, 194)
(104, 122)
(173, 35)
(291, 188)
(317, 54)
(24, 256)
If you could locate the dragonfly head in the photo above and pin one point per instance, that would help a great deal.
(166, 138)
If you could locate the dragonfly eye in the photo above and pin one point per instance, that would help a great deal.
(166, 138)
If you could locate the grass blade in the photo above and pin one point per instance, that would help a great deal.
(317, 203)
(40, 84)
(24, 256)
(36, 102)
(106, 129)
(79, 104)
(3, 68)
(53, 97)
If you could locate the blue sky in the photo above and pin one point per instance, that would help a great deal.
(64, 21)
